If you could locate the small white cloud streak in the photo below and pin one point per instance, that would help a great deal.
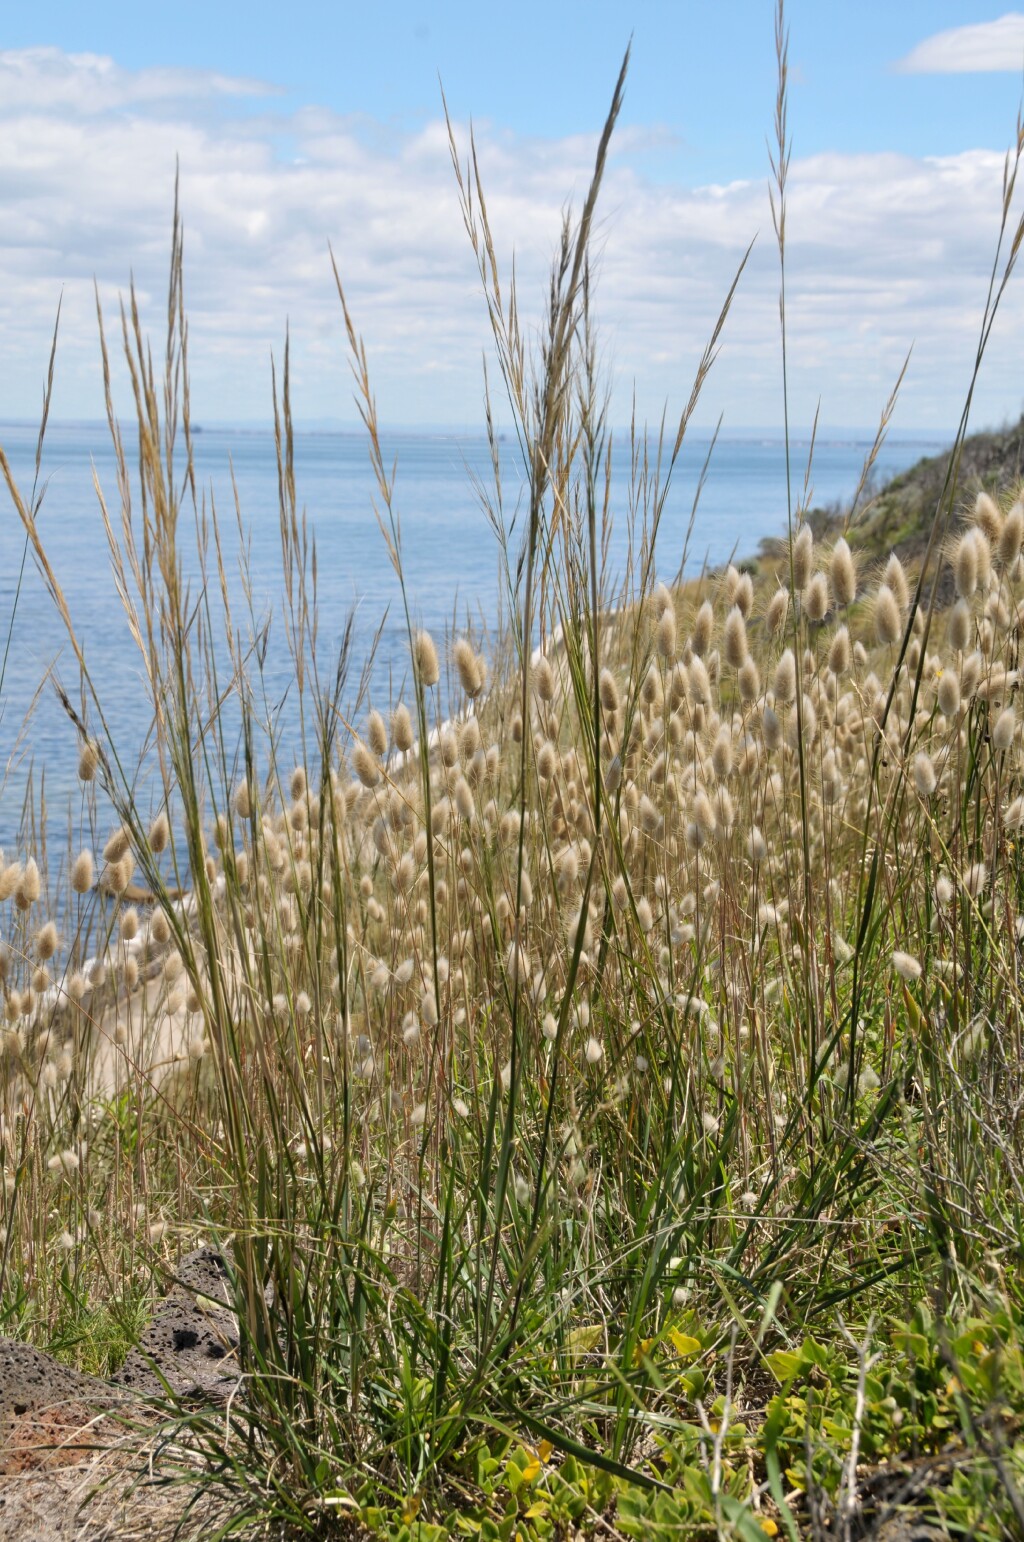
(980, 47)
(883, 251)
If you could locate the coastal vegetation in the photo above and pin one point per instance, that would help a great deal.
(601, 1067)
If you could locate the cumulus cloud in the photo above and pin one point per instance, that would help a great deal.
(883, 251)
(981, 46)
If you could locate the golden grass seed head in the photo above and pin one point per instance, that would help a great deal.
(243, 801)
(464, 799)
(965, 565)
(88, 760)
(839, 651)
(160, 833)
(46, 941)
(959, 628)
(82, 872)
(401, 728)
(803, 557)
(735, 638)
(116, 846)
(131, 972)
(749, 679)
(815, 598)
(743, 595)
(365, 765)
(609, 691)
(471, 673)
(29, 886)
(543, 679)
(888, 626)
(1011, 537)
(975, 878)
(424, 655)
(703, 629)
(469, 742)
(778, 609)
(666, 634)
(297, 782)
(895, 576)
(843, 574)
(988, 517)
(547, 761)
(925, 779)
(160, 928)
(376, 736)
(1004, 730)
(785, 677)
(721, 754)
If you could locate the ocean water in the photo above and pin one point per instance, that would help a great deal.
(450, 558)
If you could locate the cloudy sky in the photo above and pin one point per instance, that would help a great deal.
(319, 123)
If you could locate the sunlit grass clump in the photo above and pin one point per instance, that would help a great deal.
(563, 1039)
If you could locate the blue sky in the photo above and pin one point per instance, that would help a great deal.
(327, 128)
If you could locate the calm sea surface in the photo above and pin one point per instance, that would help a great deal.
(450, 560)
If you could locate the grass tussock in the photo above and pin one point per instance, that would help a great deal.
(602, 1066)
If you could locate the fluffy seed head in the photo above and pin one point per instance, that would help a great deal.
(815, 598)
(82, 873)
(159, 833)
(803, 556)
(1011, 537)
(401, 728)
(906, 966)
(365, 765)
(843, 573)
(887, 617)
(987, 517)
(975, 879)
(46, 941)
(965, 565)
(116, 846)
(735, 638)
(895, 576)
(424, 656)
(785, 677)
(609, 691)
(949, 693)
(544, 680)
(243, 801)
(703, 629)
(88, 760)
(778, 608)
(960, 627)
(749, 680)
(924, 774)
(839, 652)
(376, 738)
(1004, 730)
(666, 635)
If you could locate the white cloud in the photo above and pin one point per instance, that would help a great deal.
(982, 46)
(883, 250)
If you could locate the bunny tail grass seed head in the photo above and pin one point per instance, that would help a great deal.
(425, 659)
(376, 737)
(88, 760)
(735, 638)
(888, 626)
(46, 941)
(925, 779)
(965, 565)
(401, 728)
(815, 598)
(467, 665)
(1011, 537)
(666, 635)
(843, 574)
(803, 557)
(895, 576)
(82, 873)
(160, 833)
(778, 609)
(365, 765)
(703, 629)
(609, 691)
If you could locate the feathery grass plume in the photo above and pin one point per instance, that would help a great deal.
(129, 924)
(785, 677)
(743, 595)
(925, 779)
(666, 633)
(424, 656)
(959, 627)
(1004, 730)
(703, 629)
(468, 667)
(609, 691)
(365, 765)
(721, 754)
(895, 576)
(1011, 536)
(243, 800)
(116, 846)
(749, 680)
(906, 966)
(815, 598)
(376, 737)
(46, 941)
(29, 886)
(888, 626)
(735, 638)
(10, 877)
(82, 872)
(778, 610)
(543, 679)
(839, 651)
(88, 760)
(965, 565)
(159, 833)
(401, 728)
(988, 517)
(464, 802)
(975, 878)
(803, 557)
(843, 574)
